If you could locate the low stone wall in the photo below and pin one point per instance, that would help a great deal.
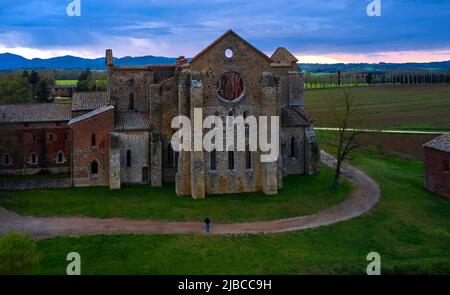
(28, 184)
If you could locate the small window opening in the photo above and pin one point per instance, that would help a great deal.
(128, 158)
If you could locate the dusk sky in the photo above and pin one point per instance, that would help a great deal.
(313, 30)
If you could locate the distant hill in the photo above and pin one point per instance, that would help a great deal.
(10, 61)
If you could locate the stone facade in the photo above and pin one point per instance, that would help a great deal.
(145, 99)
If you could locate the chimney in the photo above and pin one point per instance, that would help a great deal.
(181, 60)
(109, 61)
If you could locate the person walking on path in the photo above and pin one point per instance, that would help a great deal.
(207, 222)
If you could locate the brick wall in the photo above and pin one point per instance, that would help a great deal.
(84, 153)
(46, 141)
(436, 178)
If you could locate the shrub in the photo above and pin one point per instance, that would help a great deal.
(18, 254)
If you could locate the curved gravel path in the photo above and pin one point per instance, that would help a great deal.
(364, 196)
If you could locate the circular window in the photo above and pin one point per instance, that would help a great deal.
(230, 86)
(228, 53)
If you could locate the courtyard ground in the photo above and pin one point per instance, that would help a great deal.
(364, 196)
(409, 227)
(301, 195)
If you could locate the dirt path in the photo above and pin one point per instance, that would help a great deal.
(365, 195)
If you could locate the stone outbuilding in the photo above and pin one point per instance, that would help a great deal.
(437, 165)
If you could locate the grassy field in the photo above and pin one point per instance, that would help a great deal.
(409, 227)
(401, 106)
(301, 195)
(75, 82)
(332, 85)
(66, 82)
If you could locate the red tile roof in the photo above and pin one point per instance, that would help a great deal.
(37, 112)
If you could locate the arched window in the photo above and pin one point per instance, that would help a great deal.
(94, 168)
(131, 102)
(60, 157)
(293, 148)
(247, 128)
(230, 160)
(128, 158)
(445, 166)
(93, 140)
(248, 158)
(170, 161)
(213, 161)
(33, 158)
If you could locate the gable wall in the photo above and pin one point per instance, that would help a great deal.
(84, 153)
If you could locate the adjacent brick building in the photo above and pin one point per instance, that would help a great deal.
(34, 138)
(437, 165)
(90, 147)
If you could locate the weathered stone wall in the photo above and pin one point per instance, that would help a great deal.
(436, 179)
(295, 164)
(166, 91)
(125, 82)
(137, 142)
(155, 159)
(135, 81)
(312, 151)
(290, 86)
(197, 159)
(114, 161)
(296, 88)
(84, 153)
(169, 105)
(183, 174)
(31, 184)
(250, 64)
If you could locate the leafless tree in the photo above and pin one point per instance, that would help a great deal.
(346, 111)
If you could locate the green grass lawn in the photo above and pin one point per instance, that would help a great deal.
(409, 227)
(301, 195)
(388, 106)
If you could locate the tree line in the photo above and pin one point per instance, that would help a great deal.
(34, 86)
(345, 79)
(16, 87)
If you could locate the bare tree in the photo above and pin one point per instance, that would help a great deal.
(345, 109)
